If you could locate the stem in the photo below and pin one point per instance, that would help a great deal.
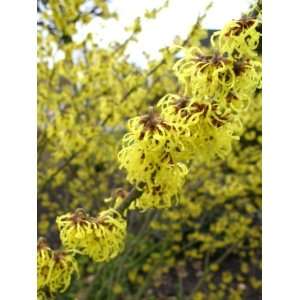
(133, 195)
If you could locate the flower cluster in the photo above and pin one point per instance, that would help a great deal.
(208, 130)
(201, 123)
(54, 269)
(204, 73)
(218, 76)
(149, 156)
(101, 238)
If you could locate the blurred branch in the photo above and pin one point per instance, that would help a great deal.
(163, 61)
(206, 271)
(50, 28)
(64, 165)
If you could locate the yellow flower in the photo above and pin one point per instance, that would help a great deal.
(149, 155)
(44, 257)
(61, 268)
(109, 233)
(101, 238)
(208, 129)
(238, 37)
(204, 74)
(54, 269)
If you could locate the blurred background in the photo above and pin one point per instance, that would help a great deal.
(101, 63)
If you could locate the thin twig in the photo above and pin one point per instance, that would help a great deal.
(163, 61)
(133, 195)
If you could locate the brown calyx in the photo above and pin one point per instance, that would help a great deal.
(79, 217)
(216, 60)
(58, 255)
(231, 96)
(218, 119)
(244, 23)
(42, 244)
(120, 192)
(200, 108)
(240, 66)
(180, 104)
(151, 121)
